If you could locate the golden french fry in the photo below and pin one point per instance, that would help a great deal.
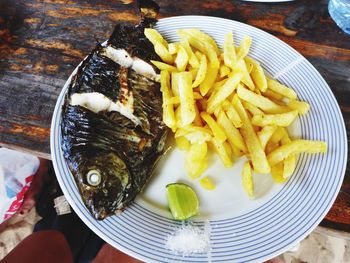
(203, 47)
(182, 143)
(154, 37)
(168, 110)
(229, 51)
(192, 128)
(290, 162)
(296, 147)
(198, 151)
(180, 132)
(283, 119)
(251, 108)
(198, 136)
(289, 166)
(196, 33)
(281, 89)
(217, 111)
(216, 98)
(164, 66)
(178, 117)
(257, 74)
(301, 106)
(198, 55)
(181, 59)
(246, 79)
(277, 136)
(172, 47)
(195, 169)
(206, 183)
(244, 47)
(254, 147)
(193, 60)
(175, 101)
(195, 134)
(285, 138)
(270, 147)
(163, 53)
(202, 71)
(226, 104)
(233, 115)
(183, 131)
(175, 84)
(230, 97)
(260, 101)
(224, 71)
(232, 133)
(277, 173)
(215, 128)
(249, 66)
(265, 134)
(188, 112)
(247, 179)
(217, 85)
(171, 101)
(272, 95)
(209, 80)
(228, 149)
(236, 152)
(221, 150)
(193, 72)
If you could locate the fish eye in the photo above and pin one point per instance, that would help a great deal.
(93, 177)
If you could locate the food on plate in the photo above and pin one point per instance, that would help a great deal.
(207, 183)
(224, 101)
(294, 147)
(247, 179)
(189, 238)
(183, 201)
(112, 127)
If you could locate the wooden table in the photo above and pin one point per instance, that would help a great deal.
(42, 41)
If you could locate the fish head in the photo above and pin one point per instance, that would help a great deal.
(104, 183)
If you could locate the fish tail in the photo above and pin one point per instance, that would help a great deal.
(149, 11)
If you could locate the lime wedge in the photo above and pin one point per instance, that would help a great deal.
(182, 200)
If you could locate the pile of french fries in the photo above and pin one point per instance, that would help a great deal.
(224, 101)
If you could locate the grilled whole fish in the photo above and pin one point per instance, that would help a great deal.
(112, 129)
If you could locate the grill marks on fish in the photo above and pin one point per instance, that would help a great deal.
(112, 125)
(106, 136)
(124, 103)
(125, 95)
(96, 74)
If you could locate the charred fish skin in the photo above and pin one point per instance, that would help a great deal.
(112, 128)
(93, 80)
(132, 38)
(94, 143)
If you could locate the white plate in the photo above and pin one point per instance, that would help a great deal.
(241, 230)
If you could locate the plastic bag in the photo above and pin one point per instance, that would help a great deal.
(16, 173)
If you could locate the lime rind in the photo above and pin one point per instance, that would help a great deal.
(182, 200)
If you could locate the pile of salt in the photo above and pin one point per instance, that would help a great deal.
(189, 239)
